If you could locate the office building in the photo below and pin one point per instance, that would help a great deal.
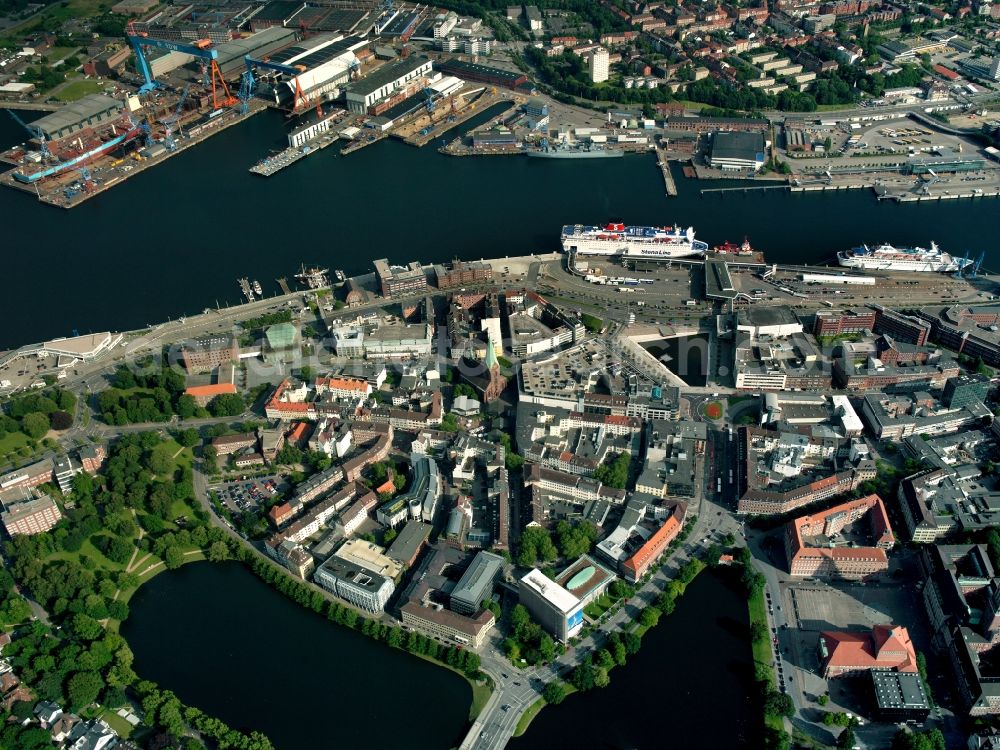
(207, 353)
(553, 607)
(362, 588)
(899, 696)
(965, 389)
(30, 516)
(599, 64)
(832, 545)
(886, 647)
(476, 583)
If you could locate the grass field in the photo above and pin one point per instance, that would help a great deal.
(761, 649)
(528, 716)
(116, 722)
(12, 442)
(77, 90)
(91, 552)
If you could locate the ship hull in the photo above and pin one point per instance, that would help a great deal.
(631, 249)
(874, 263)
(82, 158)
(574, 154)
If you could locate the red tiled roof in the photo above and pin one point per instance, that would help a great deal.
(210, 390)
(343, 384)
(886, 647)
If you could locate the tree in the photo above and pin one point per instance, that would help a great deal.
(218, 551)
(649, 617)
(61, 420)
(758, 631)
(554, 693)
(35, 425)
(189, 437)
(86, 627)
(226, 405)
(173, 558)
(778, 704)
(615, 473)
(846, 739)
(83, 689)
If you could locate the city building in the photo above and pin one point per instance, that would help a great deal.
(886, 647)
(30, 516)
(207, 353)
(429, 588)
(553, 607)
(586, 579)
(840, 322)
(599, 63)
(369, 556)
(362, 588)
(899, 696)
(781, 471)
(442, 623)
(642, 535)
(397, 281)
(964, 390)
(31, 475)
(832, 544)
(408, 543)
(737, 151)
(893, 417)
(476, 583)
(460, 273)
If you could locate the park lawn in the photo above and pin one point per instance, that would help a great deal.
(833, 107)
(761, 649)
(181, 457)
(528, 716)
(116, 722)
(12, 442)
(181, 508)
(92, 553)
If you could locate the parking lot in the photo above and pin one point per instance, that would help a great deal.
(248, 494)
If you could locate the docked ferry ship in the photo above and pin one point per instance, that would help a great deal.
(618, 239)
(888, 258)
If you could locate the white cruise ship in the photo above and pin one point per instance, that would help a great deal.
(888, 258)
(618, 239)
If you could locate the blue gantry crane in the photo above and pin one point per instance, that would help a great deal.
(201, 48)
(35, 132)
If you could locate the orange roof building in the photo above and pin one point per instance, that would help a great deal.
(885, 647)
(343, 386)
(816, 546)
(204, 393)
(289, 402)
(635, 567)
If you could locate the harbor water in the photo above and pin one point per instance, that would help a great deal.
(172, 240)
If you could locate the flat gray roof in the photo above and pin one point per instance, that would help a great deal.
(77, 112)
(479, 576)
(385, 75)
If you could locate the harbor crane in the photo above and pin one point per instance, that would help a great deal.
(35, 132)
(174, 118)
(201, 48)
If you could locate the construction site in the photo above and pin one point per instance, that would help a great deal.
(358, 83)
